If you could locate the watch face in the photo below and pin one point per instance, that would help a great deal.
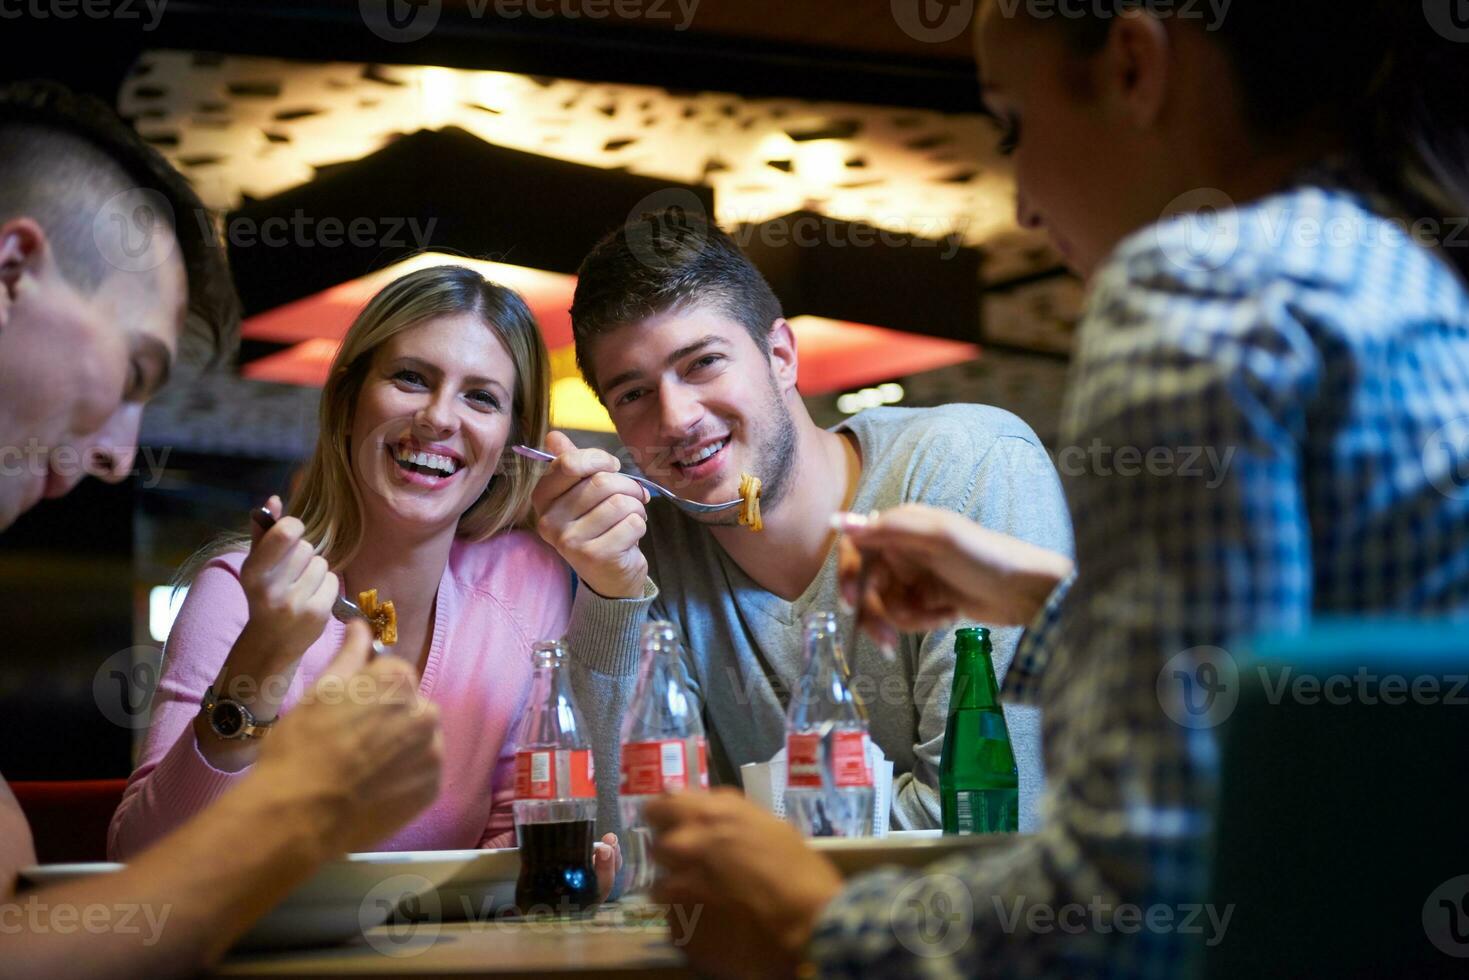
(228, 720)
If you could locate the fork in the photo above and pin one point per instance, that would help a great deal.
(691, 506)
(344, 609)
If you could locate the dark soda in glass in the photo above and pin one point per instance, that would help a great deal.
(555, 795)
(556, 872)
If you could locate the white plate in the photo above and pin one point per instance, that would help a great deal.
(906, 848)
(343, 899)
(480, 888)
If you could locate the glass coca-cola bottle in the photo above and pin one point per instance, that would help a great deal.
(555, 795)
(828, 779)
(663, 748)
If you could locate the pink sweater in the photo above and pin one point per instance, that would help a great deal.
(496, 599)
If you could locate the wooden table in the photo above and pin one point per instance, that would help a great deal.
(605, 946)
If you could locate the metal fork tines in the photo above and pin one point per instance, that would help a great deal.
(692, 506)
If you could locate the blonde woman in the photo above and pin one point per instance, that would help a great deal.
(409, 492)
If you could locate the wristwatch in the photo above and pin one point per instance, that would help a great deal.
(232, 720)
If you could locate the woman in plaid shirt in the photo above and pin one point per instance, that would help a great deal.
(1267, 421)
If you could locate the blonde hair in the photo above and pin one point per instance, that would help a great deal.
(327, 500)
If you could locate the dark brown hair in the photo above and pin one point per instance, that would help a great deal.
(63, 155)
(1379, 76)
(662, 261)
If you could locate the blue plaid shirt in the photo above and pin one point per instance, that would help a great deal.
(1267, 420)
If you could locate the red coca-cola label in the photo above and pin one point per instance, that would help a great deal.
(539, 777)
(583, 775)
(662, 766)
(803, 760)
(849, 760)
(654, 767)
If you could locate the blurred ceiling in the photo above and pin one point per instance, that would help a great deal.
(885, 52)
(866, 26)
(865, 218)
(245, 128)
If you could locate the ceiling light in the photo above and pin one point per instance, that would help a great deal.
(438, 90)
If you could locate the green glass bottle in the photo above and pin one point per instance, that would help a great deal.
(979, 785)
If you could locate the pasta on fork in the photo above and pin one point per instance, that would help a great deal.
(750, 494)
(383, 617)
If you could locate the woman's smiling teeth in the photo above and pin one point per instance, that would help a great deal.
(429, 464)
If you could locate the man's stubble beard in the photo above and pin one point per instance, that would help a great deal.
(774, 461)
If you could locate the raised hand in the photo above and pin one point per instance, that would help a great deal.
(594, 517)
(363, 742)
(289, 588)
(923, 567)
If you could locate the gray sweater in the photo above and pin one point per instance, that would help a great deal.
(742, 644)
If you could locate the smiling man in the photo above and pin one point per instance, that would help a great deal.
(685, 343)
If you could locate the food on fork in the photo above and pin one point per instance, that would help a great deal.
(750, 494)
(382, 616)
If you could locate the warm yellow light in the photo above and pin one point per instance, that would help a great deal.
(493, 89)
(776, 146)
(573, 406)
(821, 162)
(438, 91)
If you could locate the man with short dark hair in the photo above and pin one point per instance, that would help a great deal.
(95, 223)
(101, 258)
(685, 343)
